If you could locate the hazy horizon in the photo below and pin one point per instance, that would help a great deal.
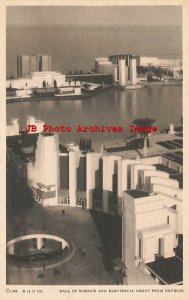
(74, 36)
(167, 15)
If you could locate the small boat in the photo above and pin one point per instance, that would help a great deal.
(90, 87)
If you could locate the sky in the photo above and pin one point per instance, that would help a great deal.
(76, 35)
(103, 15)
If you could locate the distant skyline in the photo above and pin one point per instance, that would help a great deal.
(75, 35)
(94, 15)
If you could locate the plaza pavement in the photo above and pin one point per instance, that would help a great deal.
(75, 226)
(153, 150)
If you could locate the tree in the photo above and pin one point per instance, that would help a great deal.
(89, 144)
(144, 123)
(84, 145)
(81, 144)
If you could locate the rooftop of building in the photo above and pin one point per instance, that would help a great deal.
(22, 140)
(166, 169)
(41, 73)
(123, 54)
(34, 54)
(161, 143)
(174, 157)
(47, 133)
(63, 149)
(162, 228)
(179, 178)
(85, 75)
(173, 174)
(137, 193)
(134, 144)
(163, 268)
(172, 144)
(23, 145)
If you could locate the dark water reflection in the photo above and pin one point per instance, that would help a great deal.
(112, 108)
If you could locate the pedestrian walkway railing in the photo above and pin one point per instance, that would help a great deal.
(49, 259)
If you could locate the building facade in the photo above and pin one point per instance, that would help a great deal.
(92, 180)
(147, 199)
(12, 128)
(43, 174)
(26, 64)
(122, 67)
(150, 226)
(146, 61)
(40, 83)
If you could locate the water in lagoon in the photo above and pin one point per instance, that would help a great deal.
(112, 108)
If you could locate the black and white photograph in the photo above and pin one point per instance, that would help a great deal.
(94, 146)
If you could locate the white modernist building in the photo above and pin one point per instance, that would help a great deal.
(150, 226)
(149, 202)
(12, 128)
(147, 61)
(31, 120)
(152, 213)
(122, 73)
(123, 68)
(93, 180)
(39, 81)
(103, 65)
(133, 71)
(26, 64)
(97, 178)
(43, 174)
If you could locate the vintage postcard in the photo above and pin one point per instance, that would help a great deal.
(94, 168)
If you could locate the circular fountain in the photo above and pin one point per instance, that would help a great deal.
(36, 250)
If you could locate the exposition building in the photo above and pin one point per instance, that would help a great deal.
(140, 190)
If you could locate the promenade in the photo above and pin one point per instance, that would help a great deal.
(75, 226)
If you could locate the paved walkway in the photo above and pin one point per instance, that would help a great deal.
(138, 277)
(76, 226)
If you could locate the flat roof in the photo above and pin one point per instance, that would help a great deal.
(157, 228)
(164, 168)
(24, 145)
(41, 185)
(174, 157)
(24, 139)
(168, 270)
(63, 149)
(179, 178)
(47, 133)
(137, 193)
(173, 174)
(134, 144)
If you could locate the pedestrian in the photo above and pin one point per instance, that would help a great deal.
(83, 252)
(44, 266)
